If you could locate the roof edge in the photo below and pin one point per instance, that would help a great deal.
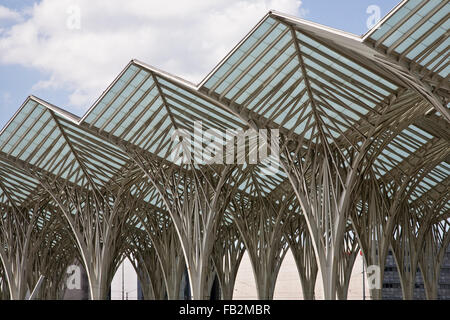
(316, 25)
(64, 113)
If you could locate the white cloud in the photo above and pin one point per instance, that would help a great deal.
(186, 38)
(9, 15)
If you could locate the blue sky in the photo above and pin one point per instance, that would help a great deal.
(71, 68)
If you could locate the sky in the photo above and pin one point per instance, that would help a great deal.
(67, 52)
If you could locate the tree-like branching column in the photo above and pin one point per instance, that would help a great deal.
(57, 251)
(430, 260)
(297, 235)
(260, 222)
(413, 220)
(87, 180)
(379, 201)
(97, 222)
(21, 238)
(346, 262)
(384, 188)
(196, 198)
(323, 181)
(160, 228)
(227, 255)
(373, 220)
(326, 160)
(60, 258)
(142, 254)
(407, 242)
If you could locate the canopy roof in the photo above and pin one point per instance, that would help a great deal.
(287, 73)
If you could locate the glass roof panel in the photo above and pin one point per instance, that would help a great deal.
(415, 35)
(118, 86)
